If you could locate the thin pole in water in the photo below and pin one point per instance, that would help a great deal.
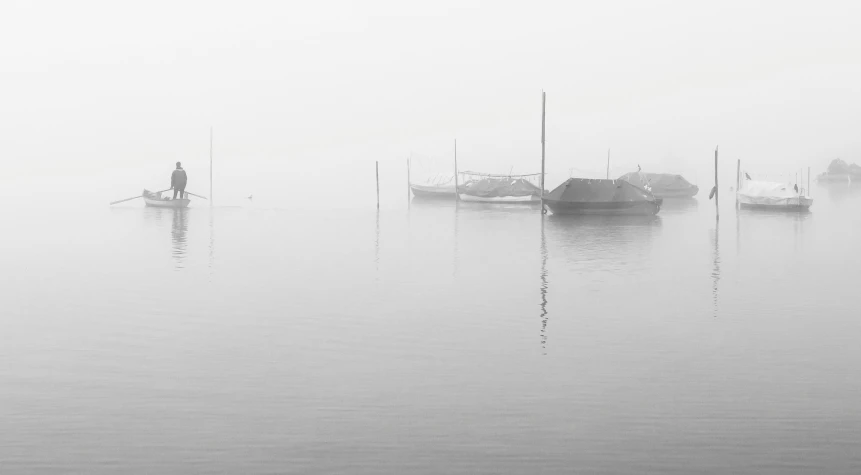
(737, 180)
(378, 183)
(211, 198)
(608, 163)
(456, 195)
(543, 103)
(717, 189)
(808, 181)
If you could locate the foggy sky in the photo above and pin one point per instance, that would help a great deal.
(115, 92)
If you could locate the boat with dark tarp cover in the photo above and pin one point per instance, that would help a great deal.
(604, 197)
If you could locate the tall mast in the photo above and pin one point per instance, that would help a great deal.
(543, 103)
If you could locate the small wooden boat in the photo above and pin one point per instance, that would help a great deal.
(157, 201)
(433, 191)
(601, 197)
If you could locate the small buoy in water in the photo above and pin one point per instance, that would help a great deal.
(714, 190)
(251, 196)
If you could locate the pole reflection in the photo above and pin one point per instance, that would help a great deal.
(377, 244)
(716, 267)
(543, 315)
(211, 239)
(454, 254)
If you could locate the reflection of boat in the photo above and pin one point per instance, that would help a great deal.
(602, 197)
(178, 234)
(597, 243)
(677, 205)
(157, 201)
(662, 185)
(771, 195)
(487, 188)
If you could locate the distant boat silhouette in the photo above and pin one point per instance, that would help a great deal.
(251, 196)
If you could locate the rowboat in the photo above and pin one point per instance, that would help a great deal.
(601, 197)
(433, 191)
(157, 201)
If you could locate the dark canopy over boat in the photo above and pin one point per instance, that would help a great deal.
(606, 197)
(662, 185)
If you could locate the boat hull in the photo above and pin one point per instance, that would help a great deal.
(500, 199)
(422, 191)
(797, 203)
(788, 208)
(611, 208)
(180, 203)
(837, 179)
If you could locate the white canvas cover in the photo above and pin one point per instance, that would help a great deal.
(769, 193)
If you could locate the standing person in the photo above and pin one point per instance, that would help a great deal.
(178, 180)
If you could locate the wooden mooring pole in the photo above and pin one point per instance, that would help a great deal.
(456, 194)
(608, 163)
(737, 180)
(378, 184)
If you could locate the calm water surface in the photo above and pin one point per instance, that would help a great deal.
(431, 339)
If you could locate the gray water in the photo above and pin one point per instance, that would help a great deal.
(430, 339)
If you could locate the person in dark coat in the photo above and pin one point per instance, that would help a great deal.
(178, 180)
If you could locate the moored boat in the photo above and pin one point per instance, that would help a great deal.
(157, 201)
(487, 188)
(601, 197)
(772, 196)
(840, 172)
(445, 190)
(662, 185)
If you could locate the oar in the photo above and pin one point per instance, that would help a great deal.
(138, 196)
(127, 199)
(192, 194)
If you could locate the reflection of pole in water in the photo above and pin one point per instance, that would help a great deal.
(177, 232)
(377, 243)
(211, 239)
(737, 231)
(544, 317)
(716, 268)
(454, 254)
